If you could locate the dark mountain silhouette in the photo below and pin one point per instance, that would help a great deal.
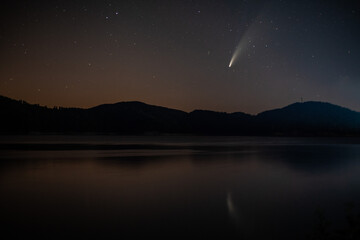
(136, 117)
(209, 122)
(309, 118)
(298, 119)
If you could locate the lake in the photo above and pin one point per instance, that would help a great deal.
(230, 187)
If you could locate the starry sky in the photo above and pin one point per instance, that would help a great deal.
(177, 53)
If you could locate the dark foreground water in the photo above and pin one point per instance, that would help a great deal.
(111, 187)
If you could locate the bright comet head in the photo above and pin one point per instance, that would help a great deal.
(235, 55)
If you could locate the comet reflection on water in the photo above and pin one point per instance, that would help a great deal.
(271, 191)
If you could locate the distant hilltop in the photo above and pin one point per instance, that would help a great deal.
(137, 118)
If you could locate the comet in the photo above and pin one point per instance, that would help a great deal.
(235, 55)
(238, 50)
(255, 29)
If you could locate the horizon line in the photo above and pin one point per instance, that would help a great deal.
(196, 109)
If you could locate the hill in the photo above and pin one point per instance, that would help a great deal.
(309, 118)
(298, 119)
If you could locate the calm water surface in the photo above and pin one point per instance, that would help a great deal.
(248, 188)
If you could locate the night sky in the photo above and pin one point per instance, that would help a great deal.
(177, 53)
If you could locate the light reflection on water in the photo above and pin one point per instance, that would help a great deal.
(255, 191)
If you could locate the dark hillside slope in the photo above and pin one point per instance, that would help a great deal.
(136, 117)
(298, 119)
(309, 118)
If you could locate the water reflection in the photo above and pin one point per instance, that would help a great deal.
(249, 191)
(233, 212)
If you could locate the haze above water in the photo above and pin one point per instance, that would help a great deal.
(251, 188)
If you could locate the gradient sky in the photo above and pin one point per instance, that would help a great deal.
(177, 53)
